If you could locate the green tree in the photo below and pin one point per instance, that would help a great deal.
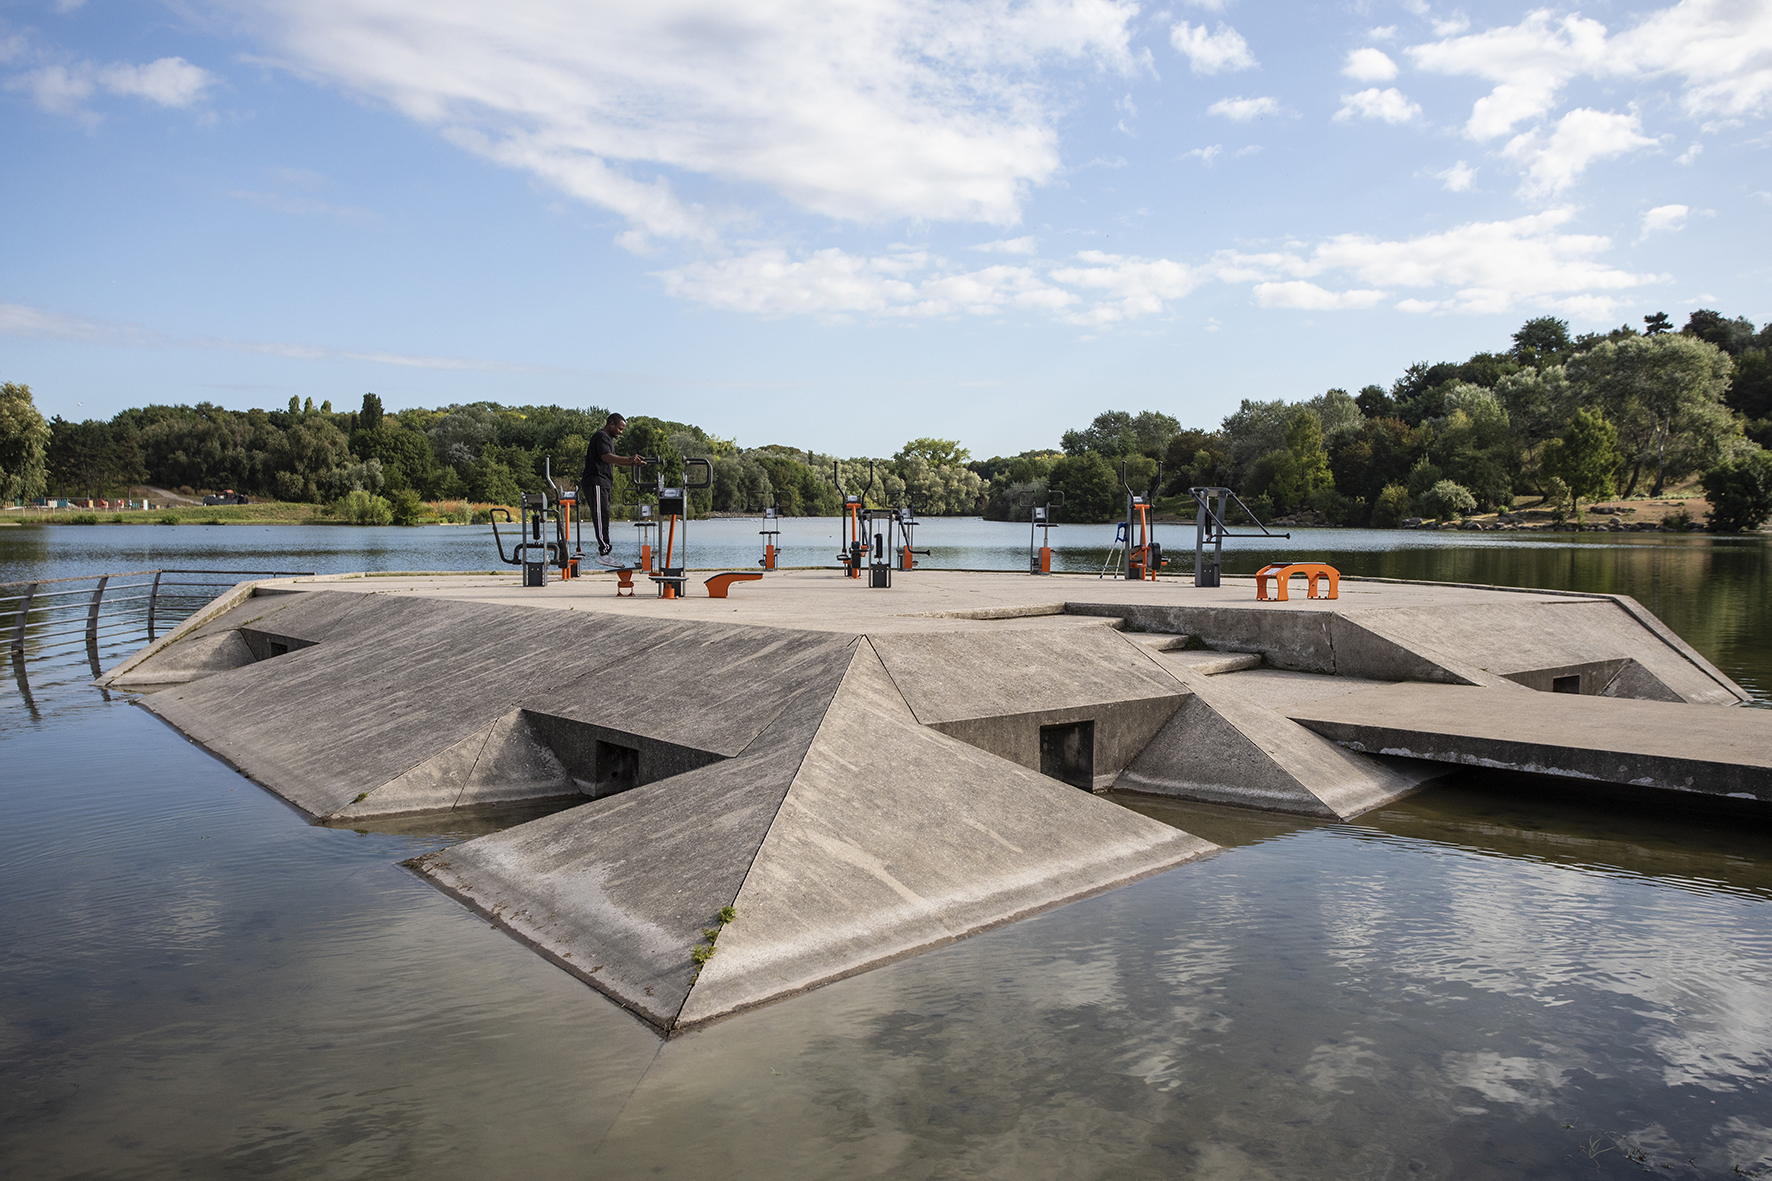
(369, 418)
(24, 444)
(934, 452)
(1656, 324)
(1740, 493)
(1391, 506)
(363, 508)
(1091, 487)
(1664, 394)
(90, 458)
(301, 456)
(1448, 499)
(1116, 432)
(1585, 458)
(1543, 341)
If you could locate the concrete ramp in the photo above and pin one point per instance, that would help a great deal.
(842, 845)
(1708, 749)
(1230, 743)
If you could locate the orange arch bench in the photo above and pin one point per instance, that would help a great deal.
(1282, 572)
(718, 584)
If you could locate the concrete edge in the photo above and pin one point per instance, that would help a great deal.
(224, 602)
(1027, 612)
(1002, 921)
(1671, 638)
(416, 867)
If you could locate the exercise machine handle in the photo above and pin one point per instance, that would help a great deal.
(492, 517)
(707, 473)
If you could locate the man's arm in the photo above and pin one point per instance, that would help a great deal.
(625, 460)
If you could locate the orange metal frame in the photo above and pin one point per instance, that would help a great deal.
(1282, 572)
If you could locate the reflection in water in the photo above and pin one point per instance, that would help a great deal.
(1476, 981)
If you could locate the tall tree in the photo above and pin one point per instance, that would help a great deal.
(1665, 395)
(24, 444)
(1585, 458)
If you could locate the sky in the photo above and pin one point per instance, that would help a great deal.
(843, 224)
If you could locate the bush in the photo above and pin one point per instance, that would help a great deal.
(406, 507)
(1740, 493)
(362, 508)
(1556, 498)
(83, 519)
(168, 518)
(1392, 506)
(1446, 500)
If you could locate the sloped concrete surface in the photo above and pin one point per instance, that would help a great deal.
(895, 838)
(995, 689)
(1230, 744)
(1712, 750)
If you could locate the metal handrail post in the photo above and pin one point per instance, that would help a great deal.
(98, 593)
(153, 601)
(18, 625)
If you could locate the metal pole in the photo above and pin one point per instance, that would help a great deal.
(92, 611)
(153, 601)
(1199, 540)
(18, 624)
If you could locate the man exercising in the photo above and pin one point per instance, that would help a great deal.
(600, 464)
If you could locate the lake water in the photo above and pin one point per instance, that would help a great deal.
(1481, 981)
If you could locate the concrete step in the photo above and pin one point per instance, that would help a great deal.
(1207, 663)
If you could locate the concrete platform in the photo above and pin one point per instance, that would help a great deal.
(1648, 744)
(863, 773)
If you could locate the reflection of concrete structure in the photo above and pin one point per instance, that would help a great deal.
(863, 775)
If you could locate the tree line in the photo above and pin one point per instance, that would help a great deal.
(1569, 419)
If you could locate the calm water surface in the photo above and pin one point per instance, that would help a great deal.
(1481, 981)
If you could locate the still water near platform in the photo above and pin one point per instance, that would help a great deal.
(1480, 981)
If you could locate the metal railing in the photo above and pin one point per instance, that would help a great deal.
(51, 616)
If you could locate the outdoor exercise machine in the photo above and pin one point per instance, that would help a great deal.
(1039, 517)
(1210, 528)
(769, 533)
(541, 538)
(853, 553)
(673, 520)
(905, 558)
(1136, 554)
(877, 550)
(567, 499)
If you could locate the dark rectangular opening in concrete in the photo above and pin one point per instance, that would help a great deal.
(1569, 684)
(1067, 753)
(278, 649)
(618, 768)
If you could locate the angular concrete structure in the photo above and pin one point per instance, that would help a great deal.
(864, 774)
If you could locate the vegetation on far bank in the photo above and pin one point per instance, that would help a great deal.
(1557, 419)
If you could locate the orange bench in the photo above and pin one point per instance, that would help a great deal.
(718, 584)
(1282, 572)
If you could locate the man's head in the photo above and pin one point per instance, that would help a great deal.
(615, 424)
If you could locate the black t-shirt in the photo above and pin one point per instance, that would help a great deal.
(597, 466)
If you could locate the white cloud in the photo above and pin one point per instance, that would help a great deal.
(171, 81)
(834, 284)
(63, 89)
(1251, 150)
(1389, 105)
(1307, 296)
(1554, 162)
(1205, 155)
(1383, 33)
(1719, 50)
(1458, 178)
(1529, 63)
(1009, 246)
(1690, 154)
(1480, 268)
(1665, 217)
(868, 111)
(1244, 109)
(1369, 65)
(23, 321)
(1127, 287)
(1212, 52)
